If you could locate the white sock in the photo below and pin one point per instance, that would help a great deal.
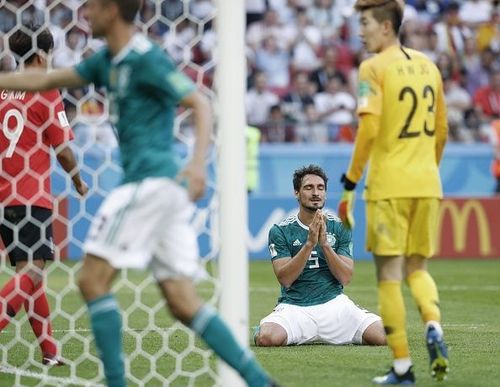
(436, 325)
(401, 366)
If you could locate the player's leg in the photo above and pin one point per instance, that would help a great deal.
(387, 222)
(374, 334)
(38, 310)
(393, 313)
(423, 288)
(340, 321)
(185, 305)
(175, 264)
(288, 325)
(22, 230)
(95, 279)
(270, 334)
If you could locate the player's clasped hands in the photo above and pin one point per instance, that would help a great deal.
(317, 228)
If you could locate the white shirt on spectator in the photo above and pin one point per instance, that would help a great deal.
(327, 101)
(258, 105)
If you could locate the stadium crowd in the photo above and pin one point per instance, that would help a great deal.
(302, 57)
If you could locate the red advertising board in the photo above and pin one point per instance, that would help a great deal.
(469, 228)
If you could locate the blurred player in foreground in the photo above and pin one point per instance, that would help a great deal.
(145, 222)
(402, 133)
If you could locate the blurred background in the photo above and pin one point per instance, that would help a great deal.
(302, 64)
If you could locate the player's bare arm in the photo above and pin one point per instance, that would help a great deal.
(67, 160)
(40, 80)
(340, 266)
(287, 270)
(195, 171)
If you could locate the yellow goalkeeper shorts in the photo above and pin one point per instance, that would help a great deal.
(404, 226)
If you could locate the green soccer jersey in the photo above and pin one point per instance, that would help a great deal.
(316, 284)
(144, 88)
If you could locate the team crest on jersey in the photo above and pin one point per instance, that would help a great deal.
(330, 238)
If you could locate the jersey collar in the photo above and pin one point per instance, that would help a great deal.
(125, 50)
(300, 223)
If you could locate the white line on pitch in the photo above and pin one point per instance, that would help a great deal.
(47, 378)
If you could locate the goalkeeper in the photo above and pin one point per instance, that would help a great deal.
(311, 256)
(402, 134)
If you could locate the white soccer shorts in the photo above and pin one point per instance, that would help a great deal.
(147, 224)
(338, 321)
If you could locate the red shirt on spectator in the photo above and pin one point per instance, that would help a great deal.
(31, 123)
(489, 101)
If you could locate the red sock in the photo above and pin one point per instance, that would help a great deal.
(12, 296)
(38, 310)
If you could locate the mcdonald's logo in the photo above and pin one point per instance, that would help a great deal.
(460, 225)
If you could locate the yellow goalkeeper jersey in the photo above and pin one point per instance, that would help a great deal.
(402, 89)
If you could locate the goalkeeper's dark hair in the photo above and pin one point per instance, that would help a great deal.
(311, 169)
(128, 8)
(28, 40)
(383, 10)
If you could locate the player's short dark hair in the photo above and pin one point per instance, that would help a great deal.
(27, 40)
(311, 169)
(128, 8)
(383, 10)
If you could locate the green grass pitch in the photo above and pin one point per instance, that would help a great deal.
(469, 292)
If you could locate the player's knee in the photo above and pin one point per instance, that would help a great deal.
(269, 338)
(375, 334)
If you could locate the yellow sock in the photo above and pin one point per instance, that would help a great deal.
(393, 313)
(425, 293)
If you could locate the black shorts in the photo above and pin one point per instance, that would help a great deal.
(27, 233)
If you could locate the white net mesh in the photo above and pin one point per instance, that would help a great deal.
(159, 350)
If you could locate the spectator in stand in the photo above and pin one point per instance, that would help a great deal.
(335, 107)
(326, 19)
(278, 128)
(475, 12)
(269, 26)
(172, 9)
(326, 71)
(298, 97)
(448, 66)
(274, 62)
(71, 53)
(488, 34)
(310, 129)
(202, 9)
(178, 42)
(458, 102)
(479, 75)
(255, 10)
(450, 32)
(305, 42)
(487, 99)
(259, 100)
(431, 49)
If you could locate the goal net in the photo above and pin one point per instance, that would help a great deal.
(159, 350)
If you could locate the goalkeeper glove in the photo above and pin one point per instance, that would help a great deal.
(346, 204)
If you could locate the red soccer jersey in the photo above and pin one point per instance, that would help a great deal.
(31, 123)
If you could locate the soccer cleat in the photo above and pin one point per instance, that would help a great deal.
(438, 354)
(392, 377)
(53, 361)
